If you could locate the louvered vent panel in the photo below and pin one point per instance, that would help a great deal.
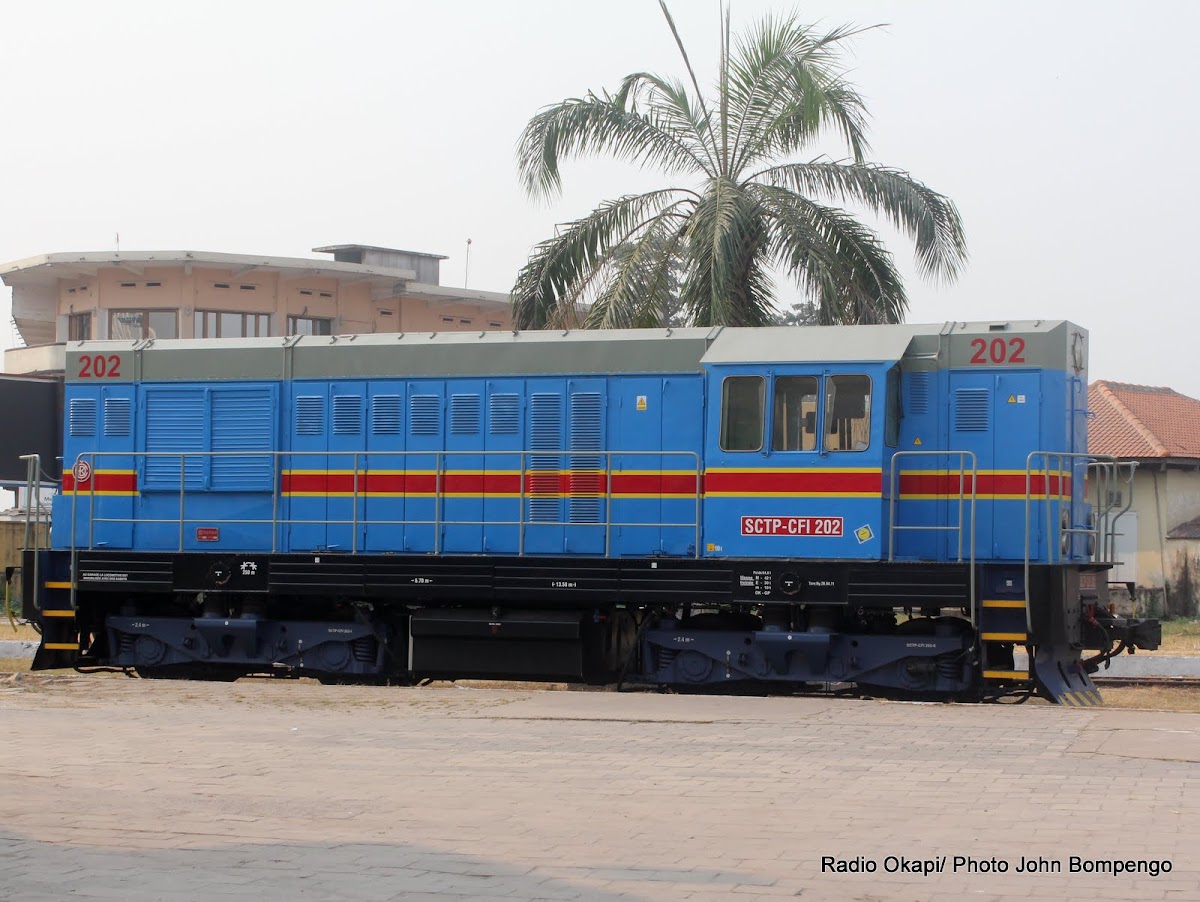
(241, 421)
(347, 415)
(918, 401)
(545, 434)
(466, 411)
(118, 417)
(310, 415)
(176, 421)
(971, 410)
(385, 415)
(424, 415)
(586, 483)
(504, 414)
(83, 416)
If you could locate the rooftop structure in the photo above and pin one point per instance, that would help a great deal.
(1143, 421)
(74, 296)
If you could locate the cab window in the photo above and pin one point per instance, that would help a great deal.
(742, 409)
(795, 414)
(848, 413)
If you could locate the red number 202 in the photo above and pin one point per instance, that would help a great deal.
(99, 367)
(998, 350)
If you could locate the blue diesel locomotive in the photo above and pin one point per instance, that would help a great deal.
(903, 507)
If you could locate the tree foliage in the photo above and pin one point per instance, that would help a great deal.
(705, 253)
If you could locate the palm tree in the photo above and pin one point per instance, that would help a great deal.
(779, 88)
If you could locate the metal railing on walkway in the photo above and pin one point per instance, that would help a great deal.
(966, 509)
(1102, 471)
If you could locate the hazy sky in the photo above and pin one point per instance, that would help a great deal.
(273, 128)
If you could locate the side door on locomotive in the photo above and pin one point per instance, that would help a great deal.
(800, 428)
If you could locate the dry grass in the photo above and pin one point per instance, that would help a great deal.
(23, 630)
(1180, 637)
(1153, 698)
(15, 665)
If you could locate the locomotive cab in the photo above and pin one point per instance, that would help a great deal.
(795, 449)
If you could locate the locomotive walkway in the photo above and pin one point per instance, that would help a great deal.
(116, 788)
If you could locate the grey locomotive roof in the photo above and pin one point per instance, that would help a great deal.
(555, 352)
(780, 344)
(407, 354)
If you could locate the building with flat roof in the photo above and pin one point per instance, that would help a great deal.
(133, 295)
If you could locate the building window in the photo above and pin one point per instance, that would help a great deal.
(848, 413)
(795, 427)
(742, 413)
(79, 327)
(134, 324)
(223, 324)
(309, 325)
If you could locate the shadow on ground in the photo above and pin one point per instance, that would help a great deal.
(36, 870)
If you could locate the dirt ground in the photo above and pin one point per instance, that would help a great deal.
(283, 790)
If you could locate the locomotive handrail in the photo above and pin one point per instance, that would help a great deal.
(893, 496)
(358, 495)
(1107, 469)
(33, 502)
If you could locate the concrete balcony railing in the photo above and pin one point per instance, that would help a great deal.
(39, 359)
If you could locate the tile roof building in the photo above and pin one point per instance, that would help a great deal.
(1143, 421)
(1158, 429)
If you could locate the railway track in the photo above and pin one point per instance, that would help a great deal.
(1178, 682)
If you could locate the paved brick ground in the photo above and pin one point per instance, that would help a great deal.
(114, 788)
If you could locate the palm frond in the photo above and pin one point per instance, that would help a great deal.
(839, 261)
(551, 289)
(674, 111)
(691, 73)
(725, 239)
(592, 126)
(787, 87)
(641, 289)
(723, 95)
(930, 219)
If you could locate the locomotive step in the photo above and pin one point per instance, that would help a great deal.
(1004, 637)
(1003, 603)
(1006, 674)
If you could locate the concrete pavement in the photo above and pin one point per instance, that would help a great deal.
(116, 788)
(17, 648)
